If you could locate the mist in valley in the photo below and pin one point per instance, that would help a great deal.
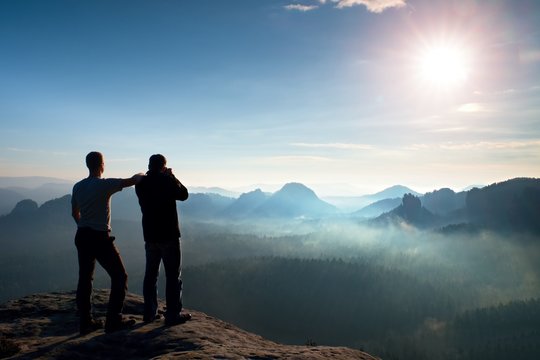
(386, 286)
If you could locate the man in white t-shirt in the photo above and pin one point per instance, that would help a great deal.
(91, 209)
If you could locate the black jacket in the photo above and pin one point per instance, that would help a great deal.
(157, 193)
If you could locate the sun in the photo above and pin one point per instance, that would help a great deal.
(443, 66)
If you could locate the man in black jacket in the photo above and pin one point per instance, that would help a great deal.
(157, 193)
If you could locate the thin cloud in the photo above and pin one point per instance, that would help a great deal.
(376, 6)
(530, 56)
(296, 159)
(471, 108)
(481, 145)
(20, 150)
(341, 146)
(491, 145)
(121, 160)
(37, 151)
(300, 7)
(449, 130)
(509, 92)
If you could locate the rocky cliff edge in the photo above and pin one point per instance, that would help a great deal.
(44, 326)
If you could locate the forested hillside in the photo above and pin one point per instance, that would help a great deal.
(361, 305)
(510, 331)
(507, 206)
(327, 301)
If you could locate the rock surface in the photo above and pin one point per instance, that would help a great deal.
(45, 326)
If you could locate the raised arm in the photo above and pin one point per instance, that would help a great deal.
(180, 191)
(76, 213)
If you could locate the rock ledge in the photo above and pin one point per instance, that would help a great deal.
(44, 326)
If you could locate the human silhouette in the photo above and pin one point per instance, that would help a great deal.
(158, 192)
(91, 209)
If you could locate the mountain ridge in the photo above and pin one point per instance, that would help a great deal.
(509, 204)
(357, 203)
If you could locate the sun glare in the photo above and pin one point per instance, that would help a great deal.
(443, 66)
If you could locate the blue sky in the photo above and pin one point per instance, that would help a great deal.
(339, 95)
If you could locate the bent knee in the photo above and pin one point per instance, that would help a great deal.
(121, 277)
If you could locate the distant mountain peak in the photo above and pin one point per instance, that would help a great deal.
(295, 200)
(411, 211)
(397, 187)
(26, 206)
(30, 181)
(294, 188)
(256, 192)
(394, 192)
(213, 190)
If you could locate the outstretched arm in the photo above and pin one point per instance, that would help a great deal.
(135, 179)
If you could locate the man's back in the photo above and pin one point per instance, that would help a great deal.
(91, 210)
(92, 196)
(157, 194)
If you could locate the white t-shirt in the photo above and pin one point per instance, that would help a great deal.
(92, 196)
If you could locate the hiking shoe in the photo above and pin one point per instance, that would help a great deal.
(149, 319)
(178, 319)
(88, 326)
(119, 325)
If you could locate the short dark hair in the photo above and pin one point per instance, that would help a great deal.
(94, 160)
(157, 162)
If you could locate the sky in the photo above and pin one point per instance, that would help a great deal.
(345, 96)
